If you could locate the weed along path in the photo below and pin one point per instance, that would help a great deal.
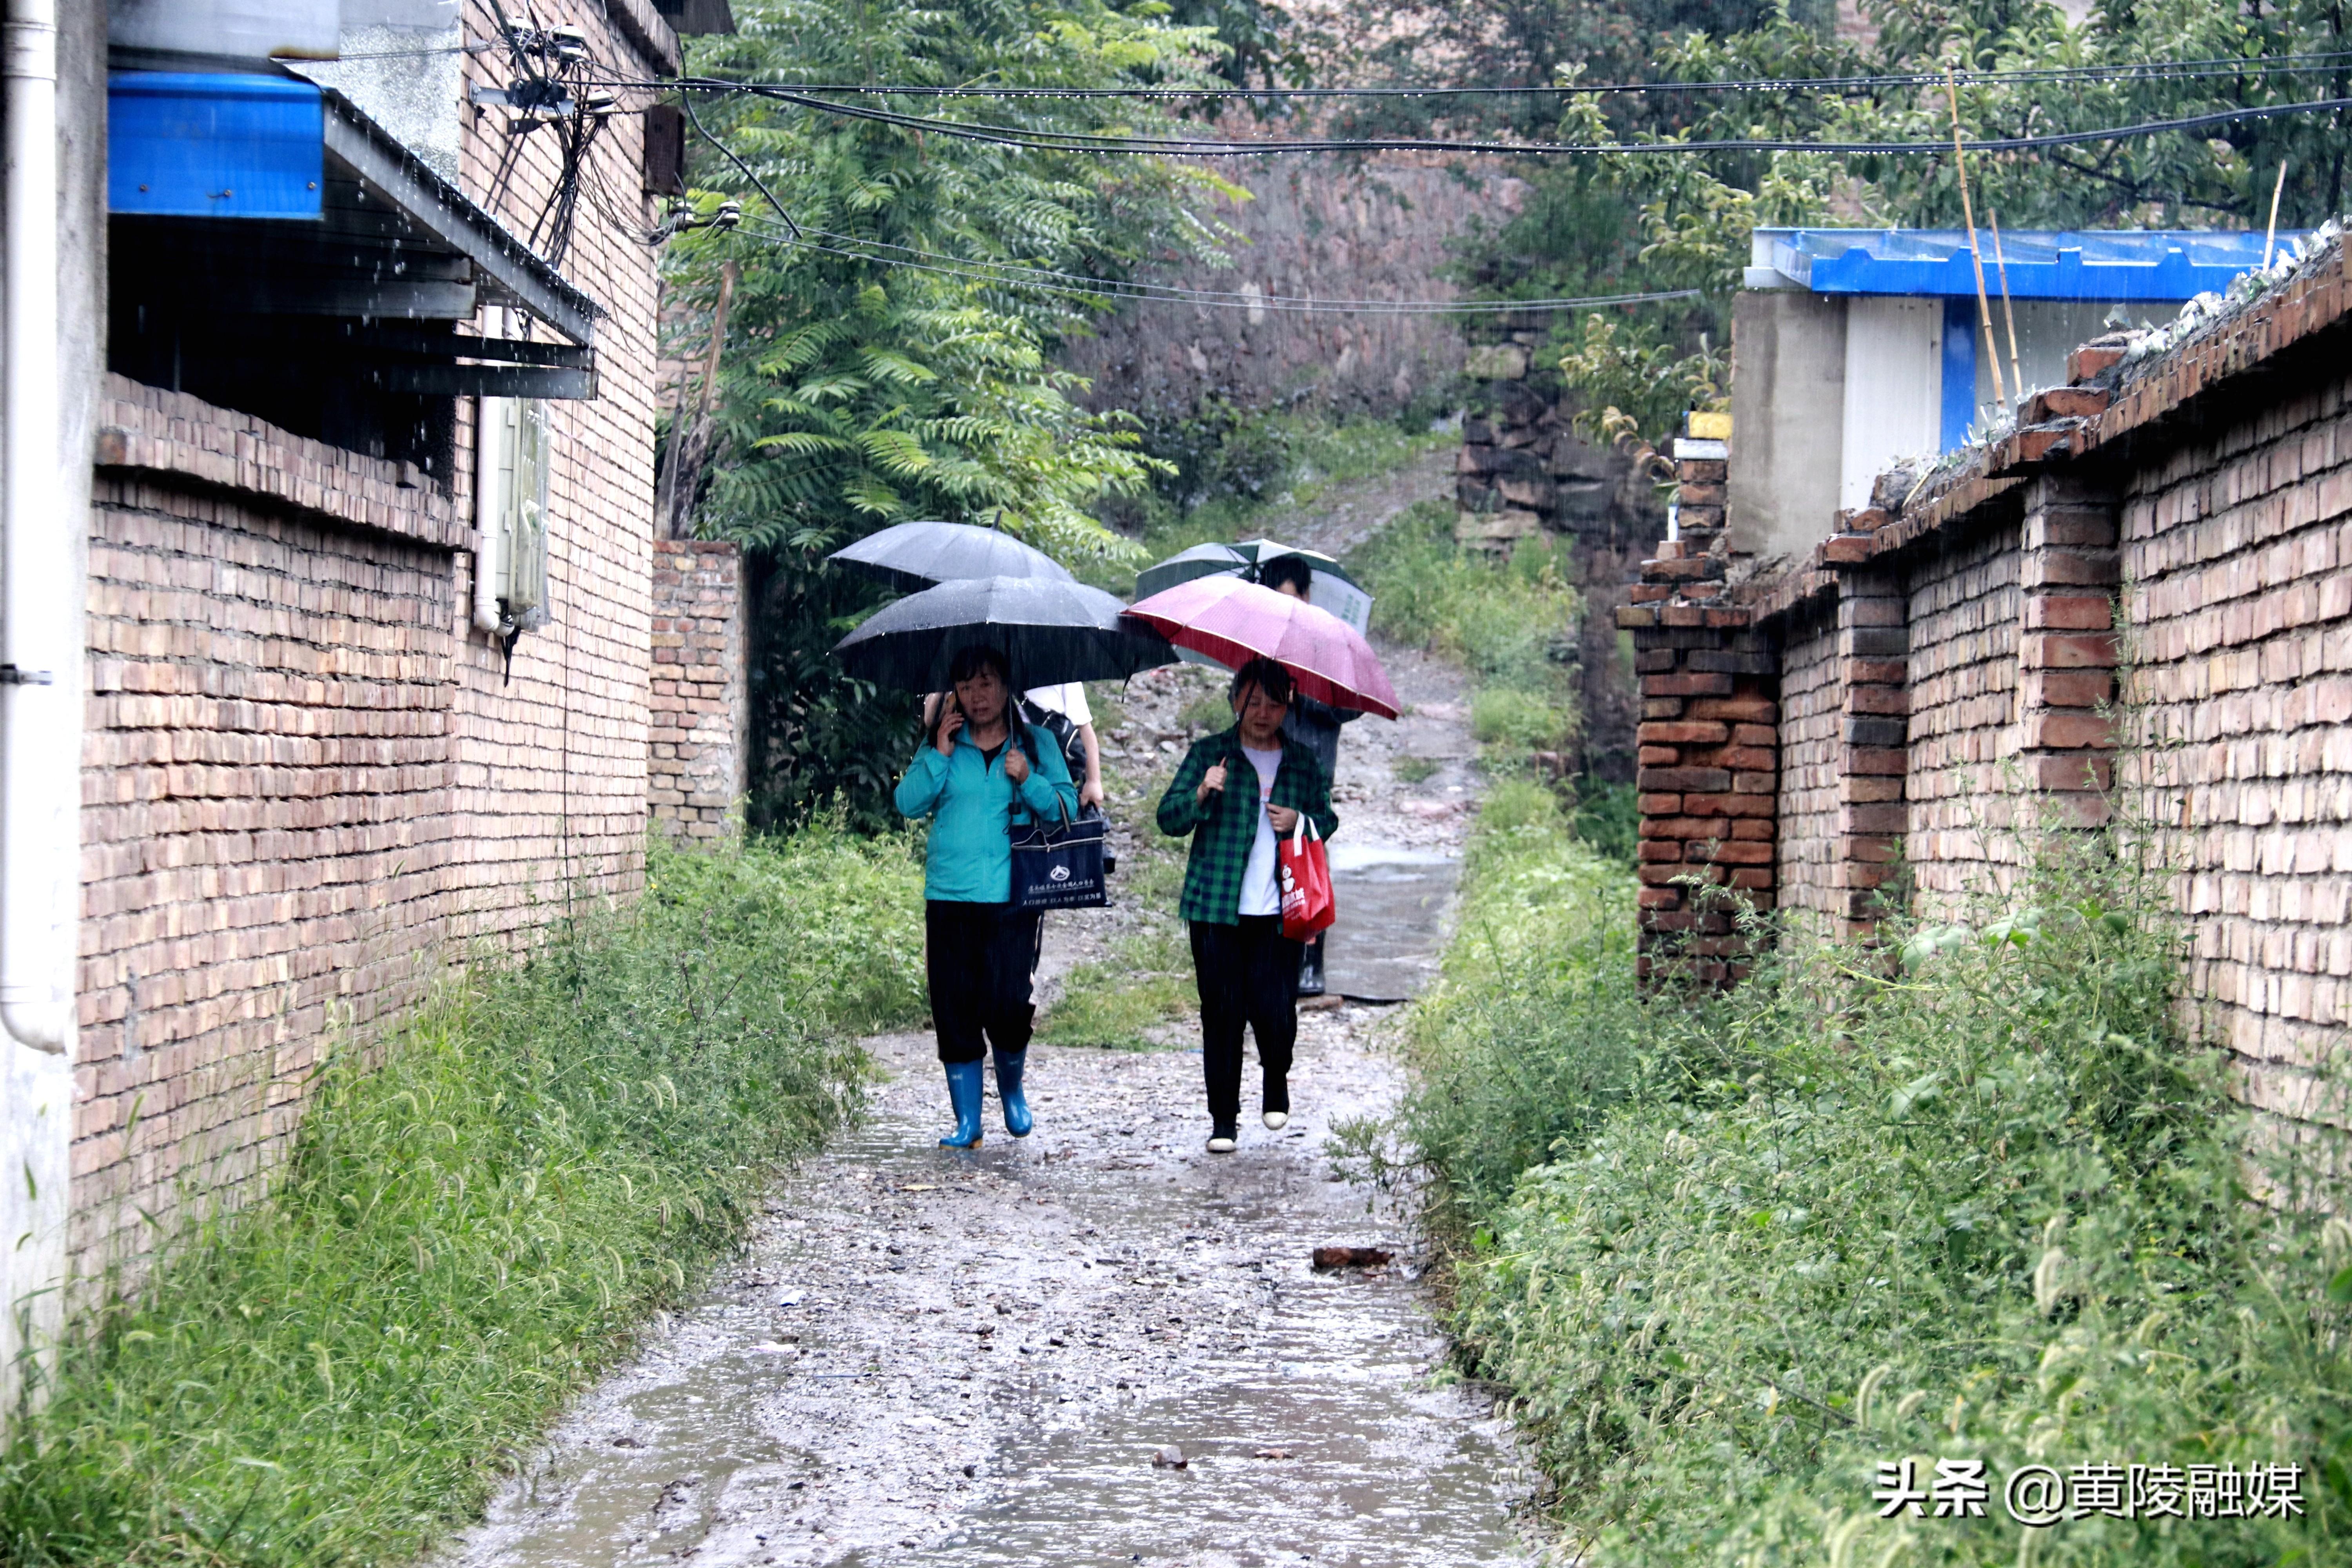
(1099, 1344)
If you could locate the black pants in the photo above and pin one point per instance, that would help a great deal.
(977, 960)
(1248, 974)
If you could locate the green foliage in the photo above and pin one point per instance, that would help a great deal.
(856, 393)
(465, 1234)
(1512, 624)
(1530, 1033)
(1591, 225)
(1607, 817)
(1413, 769)
(1992, 1204)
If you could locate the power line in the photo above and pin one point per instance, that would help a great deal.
(1239, 299)
(1222, 147)
(1035, 279)
(2151, 70)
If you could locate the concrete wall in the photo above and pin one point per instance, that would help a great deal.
(36, 1087)
(1788, 402)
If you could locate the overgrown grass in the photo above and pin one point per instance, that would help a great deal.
(1513, 626)
(550, 1150)
(1730, 1254)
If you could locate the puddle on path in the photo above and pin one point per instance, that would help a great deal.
(1393, 902)
(933, 1359)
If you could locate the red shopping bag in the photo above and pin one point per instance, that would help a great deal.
(1307, 903)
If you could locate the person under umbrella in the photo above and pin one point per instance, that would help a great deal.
(1315, 725)
(1236, 793)
(976, 771)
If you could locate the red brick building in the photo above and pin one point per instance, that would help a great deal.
(2166, 542)
(376, 661)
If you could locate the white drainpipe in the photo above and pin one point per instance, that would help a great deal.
(41, 729)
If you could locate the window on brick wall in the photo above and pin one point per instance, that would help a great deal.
(512, 509)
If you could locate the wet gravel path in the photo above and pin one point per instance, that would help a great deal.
(931, 1358)
(937, 1358)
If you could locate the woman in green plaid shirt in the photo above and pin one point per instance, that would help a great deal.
(1236, 793)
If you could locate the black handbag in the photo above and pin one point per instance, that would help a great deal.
(1060, 866)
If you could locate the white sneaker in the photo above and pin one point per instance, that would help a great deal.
(1276, 1120)
(1221, 1141)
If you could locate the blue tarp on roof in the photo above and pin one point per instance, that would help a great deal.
(2042, 263)
(204, 145)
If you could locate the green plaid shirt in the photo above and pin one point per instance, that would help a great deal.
(1225, 825)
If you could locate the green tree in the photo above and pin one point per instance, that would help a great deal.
(870, 375)
(1689, 217)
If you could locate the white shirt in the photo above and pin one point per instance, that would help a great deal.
(1069, 700)
(1261, 889)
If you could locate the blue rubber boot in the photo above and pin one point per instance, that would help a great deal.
(1017, 1119)
(963, 1094)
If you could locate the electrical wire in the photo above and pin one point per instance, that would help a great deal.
(1021, 274)
(1219, 147)
(2151, 70)
(980, 271)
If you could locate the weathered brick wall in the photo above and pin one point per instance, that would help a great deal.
(701, 702)
(267, 833)
(552, 758)
(2238, 550)
(1708, 761)
(1964, 618)
(1813, 708)
(307, 776)
(1968, 650)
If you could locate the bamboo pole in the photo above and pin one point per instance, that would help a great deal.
(1975, 254)
(2270, 236)
(2001, 265)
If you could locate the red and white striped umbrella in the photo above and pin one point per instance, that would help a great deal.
(1233, 621)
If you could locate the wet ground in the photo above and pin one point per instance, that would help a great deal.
(1099, 1344)
(963, 1359)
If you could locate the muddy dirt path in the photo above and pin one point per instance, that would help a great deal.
(928, 1358)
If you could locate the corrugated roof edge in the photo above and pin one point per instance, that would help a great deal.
(2128, 393)
(567, 300)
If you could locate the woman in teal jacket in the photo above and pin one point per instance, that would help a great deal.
(974, 774)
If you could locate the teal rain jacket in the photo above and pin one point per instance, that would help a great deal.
(970, 805)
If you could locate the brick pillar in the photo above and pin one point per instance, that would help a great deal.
(2066, 656)
(698, 739)
(1709, 760)
(1874, 656)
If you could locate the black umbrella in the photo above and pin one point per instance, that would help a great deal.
(1051, 631)
(911, 555)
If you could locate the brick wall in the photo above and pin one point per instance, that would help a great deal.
(307, 778)
(1812, 710)
(701, 712)
(1947, 673)
(1965, 620)
(1708, 763)
(266, 813)
(2237, 547)
(551, 756)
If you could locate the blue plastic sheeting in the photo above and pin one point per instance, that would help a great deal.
(2042, 263)
(197, 145)
(1958, 408)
